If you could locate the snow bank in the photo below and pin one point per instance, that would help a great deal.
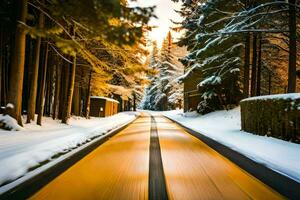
(22, 150)
(225, 126)
(291, 96)
(9, 123)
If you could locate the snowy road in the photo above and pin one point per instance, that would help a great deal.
(119, 169)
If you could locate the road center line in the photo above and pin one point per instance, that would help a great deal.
(157, 182)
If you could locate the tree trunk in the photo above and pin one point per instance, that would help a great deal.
(57, 92)
(64, 89)
(42, 89)
(88, 99)
(1, 63)
(6, 71)
(246, 66)
(4, 78)
(18, 60)
(76, 100)
(34, 76)
(254, 61)
(259, 67)
(134, 102)
(49, 84)
(270, 82)
(68, 105)
(292, 48)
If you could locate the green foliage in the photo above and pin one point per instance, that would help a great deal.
(216, 57)
(112, 20)
(164, 92)
(125, 68)
(73, 25)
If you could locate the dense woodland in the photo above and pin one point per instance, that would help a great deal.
(239, 49)
(55, 54)
(164, 92)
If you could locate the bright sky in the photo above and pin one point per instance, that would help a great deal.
(164, 12)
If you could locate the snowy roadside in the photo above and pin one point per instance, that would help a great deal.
(23, 150)
(224, 127)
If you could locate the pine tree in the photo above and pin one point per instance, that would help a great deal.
(216, 57)
(106, 21)
(148, 101)
(164, 92)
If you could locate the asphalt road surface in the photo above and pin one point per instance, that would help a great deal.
(153, 158)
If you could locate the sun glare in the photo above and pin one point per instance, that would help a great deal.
(165, 12)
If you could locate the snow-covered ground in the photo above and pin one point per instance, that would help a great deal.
(225, 126)
(28, 148)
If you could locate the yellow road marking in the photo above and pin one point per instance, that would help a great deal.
(118, 169)
(195, 171)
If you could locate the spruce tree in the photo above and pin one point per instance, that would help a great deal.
(216, 57)
(164, 92)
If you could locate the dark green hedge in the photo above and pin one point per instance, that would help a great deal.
(277, 117)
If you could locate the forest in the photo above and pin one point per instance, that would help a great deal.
(240, 49)
(149, 99)
(235, 50)
(164, 92)
(56, 54)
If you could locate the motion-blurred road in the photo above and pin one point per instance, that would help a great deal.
(119, 169)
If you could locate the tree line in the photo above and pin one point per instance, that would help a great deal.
(240, 48)
(56, 54)
(164, 91)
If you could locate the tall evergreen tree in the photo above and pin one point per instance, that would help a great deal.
(164, 92)
(150, 93)
(216, 32)
(217, 57)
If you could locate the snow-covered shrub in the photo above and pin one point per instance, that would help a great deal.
(9, 123)
(203, 107)
(273, 115)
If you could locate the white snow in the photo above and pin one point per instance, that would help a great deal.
(105, 98)
(212, 80)
(22, 150)
(234, 70)
(291, 96)
(200, 20)
(225, 127)
(10, 105)
(9, 123)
